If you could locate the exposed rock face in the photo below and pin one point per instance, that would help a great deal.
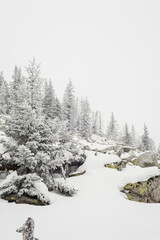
(146, 191)
(146, 159)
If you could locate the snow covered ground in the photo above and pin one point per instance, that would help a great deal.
(98, 212)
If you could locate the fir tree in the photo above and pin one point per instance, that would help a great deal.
(49, 101)
(146, 139)
(126, 136)
(85, 119)
(34, 84)
(112, 130)
(97, 124)
(18, 90)
(133, 137)
(68, 106)
(4, 94)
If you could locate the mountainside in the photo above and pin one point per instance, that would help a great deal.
(99, 210)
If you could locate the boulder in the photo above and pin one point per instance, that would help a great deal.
(146, 159)
(24, 199)
(129, 156)
(78, 173)
(87, 148)
(146, 191)
(156, 194)
(117, 165)
(127, 148)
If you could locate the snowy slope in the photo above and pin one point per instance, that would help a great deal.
(98, 212)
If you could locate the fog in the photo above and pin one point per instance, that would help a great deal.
(109, 49)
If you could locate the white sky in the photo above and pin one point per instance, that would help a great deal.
(110, 50)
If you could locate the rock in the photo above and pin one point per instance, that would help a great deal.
(127, 148)
(146, 159)
(156, 194)
(117, 165)
(77, 174)
(129, 156)
(122, 149)
(24, 200)
(86, 148)
(146, 191)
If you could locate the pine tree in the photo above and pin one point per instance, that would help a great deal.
(145, 139)
(112, 130)
(85, 119)
(97, 124)
(51, 104)
(34, 84)
(126, 136)
(133, 137)
(19, 126)
(18, 89)
(4, 94)
(68, 106)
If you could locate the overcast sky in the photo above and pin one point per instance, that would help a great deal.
(109, 48)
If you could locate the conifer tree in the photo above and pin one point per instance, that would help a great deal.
(85, 119)
(126, 136)
(4, 94)
(133, 137)
(49, 104)
(68, 106)
(145, 139)
(97, 124)
(34, 84)
(112, 130)
(18, 89)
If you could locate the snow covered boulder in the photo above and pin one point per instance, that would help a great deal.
(129, 156)
(27, 189)
(146, 159)
(146, 191)
(119, 150)
(117, 165)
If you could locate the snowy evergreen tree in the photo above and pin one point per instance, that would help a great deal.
(25, 159)
(19, 186)
(85, 119)
(133, 137)
(68, 106)
(4, 94)
(51, 104)
(112, 130)
(34, 85)
(18, 88)
(19, 126)
(146, 139)
(96, 123)
(126, 136)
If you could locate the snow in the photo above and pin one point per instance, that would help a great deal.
(42, 189)
(98, 211)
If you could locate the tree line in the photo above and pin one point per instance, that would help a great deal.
(32, 93)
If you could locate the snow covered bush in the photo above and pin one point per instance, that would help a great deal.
(16, 187)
